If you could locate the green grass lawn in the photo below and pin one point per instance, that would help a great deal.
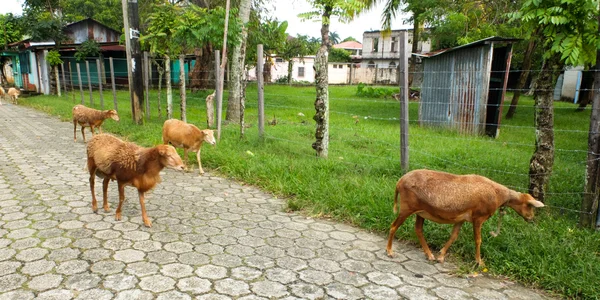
(356, 183)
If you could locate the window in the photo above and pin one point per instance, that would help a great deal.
(300, 71)
(392, 65)
(279, 60)
(394, 44)
(340, 66)
(375, 44)
(334, 66)
(371, 64)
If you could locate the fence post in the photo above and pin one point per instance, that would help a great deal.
(112, 81)
(182, 87)
(57, 80)
(351, 71)
(98, 66)
(218, 91)
(89, 78)
(403, 101)
(80, 83)
(62, 70)
(261, 93)
(376, 73)
(145, 65)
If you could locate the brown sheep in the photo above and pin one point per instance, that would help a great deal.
(187, 136)
(454, 199)
(89, 117)
(2, 94)
(13, 94)
(129, 164)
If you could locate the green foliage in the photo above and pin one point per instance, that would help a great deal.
(89, 48)
(53, 58)
(339, 55)
(348, 39)
(363, 90)
(345, 10)
(355, 185)
(107, 12)
(271, 33)
(161, 24)
(11, 29)
(334, 37)
(295, 47)
(568, 28)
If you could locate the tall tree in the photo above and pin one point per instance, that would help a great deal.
(271, 34)
(334, 37)
(294, 47)
(324, 10)
(11, 29)
(569, 34)
(44, 20)
(237, 88)
(349, 39)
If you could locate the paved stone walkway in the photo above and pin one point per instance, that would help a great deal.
(212, 238)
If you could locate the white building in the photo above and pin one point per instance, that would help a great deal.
(380, 49)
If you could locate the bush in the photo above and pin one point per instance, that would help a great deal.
(362, 90)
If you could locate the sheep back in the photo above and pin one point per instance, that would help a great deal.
(109, 153)
(182, 134)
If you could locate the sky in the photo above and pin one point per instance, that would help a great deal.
(288, 10)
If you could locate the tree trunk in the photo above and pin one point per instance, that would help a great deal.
(182, 87)
(587, 85)
(238, 76)
(540, 165)
(415, 48)
(522, 78)
(290, 71)
(161, 71)
(199, 75)
(169, 89)
(321, 145)
(267, 69)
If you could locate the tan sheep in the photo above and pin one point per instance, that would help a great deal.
(2, 94)
(129, 164)
(187, 136)
(13, 94)
(454, 199)
(92, 118)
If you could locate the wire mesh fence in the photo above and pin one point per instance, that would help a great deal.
(364, 127)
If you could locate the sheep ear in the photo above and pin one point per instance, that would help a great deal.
(536, 203)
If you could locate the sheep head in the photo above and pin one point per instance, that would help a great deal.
(524, 205)
(209, 136)
(169, 157)
(113, 114)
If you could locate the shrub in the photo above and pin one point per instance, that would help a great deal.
(362, 90)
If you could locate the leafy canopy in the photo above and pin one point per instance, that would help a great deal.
(12, 29)
(568, 27)
(345, 10)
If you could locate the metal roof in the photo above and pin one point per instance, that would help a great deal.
(488, 40)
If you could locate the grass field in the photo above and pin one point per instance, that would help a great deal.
(356, 183)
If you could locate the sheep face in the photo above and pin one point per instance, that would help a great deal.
(209, 136)
(169, 157)
(524, 206)
(113, 115)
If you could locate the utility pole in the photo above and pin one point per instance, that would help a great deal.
(131, 20)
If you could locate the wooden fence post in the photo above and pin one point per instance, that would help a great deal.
(146, 73)
(112, 81)
(89, 78)
(261, 93)
(98, 67)
(57, 80)
(80, 83)
(62, 70)
(403, 101)
(218, 91)
(182, 86)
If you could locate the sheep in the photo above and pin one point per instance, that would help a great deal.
(89, 117)
(2, 94)
(129, 164)
(187, 136)
(13, 94)
(454, 199)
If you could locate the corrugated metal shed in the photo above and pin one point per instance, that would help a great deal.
(463, 87)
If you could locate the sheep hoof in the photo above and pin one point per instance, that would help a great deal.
(390, 253)
(106, 209)
(95, 210)
(148, 223)
(118, 217)
(441, 259)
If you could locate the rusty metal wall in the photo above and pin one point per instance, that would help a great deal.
(80, 32)
(454, 90)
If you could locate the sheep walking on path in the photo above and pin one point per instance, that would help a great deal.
(129, 164)
(2, 94)
(92, 118)
(454, 199)
(13, 94)
(187, 136)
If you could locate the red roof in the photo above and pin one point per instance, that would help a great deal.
(348, 45)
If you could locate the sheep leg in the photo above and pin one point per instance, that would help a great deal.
(419, 232)
(74, 130)
(477, 234)
(83, 132)
(105, 193)
(92, 170)
(92, 130)
(100, 129)
(453, 237)
(199, 163)
(185, 156)
(147, 221)
(404, 213)
(121, 200)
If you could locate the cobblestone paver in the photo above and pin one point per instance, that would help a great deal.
(212, 238)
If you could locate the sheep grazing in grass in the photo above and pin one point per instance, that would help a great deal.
(187, 136)
(129, 164)
(2, 94)
(13, 94)
(92, 118)
(454, 199)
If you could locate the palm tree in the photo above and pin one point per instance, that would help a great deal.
(334, 37)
